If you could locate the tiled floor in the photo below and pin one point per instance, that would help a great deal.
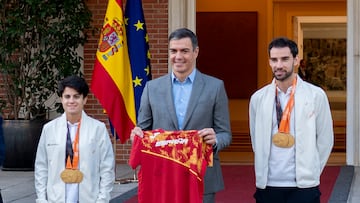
(354, 196)
(18, 187)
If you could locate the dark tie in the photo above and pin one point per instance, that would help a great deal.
(69, 150)
(278, 110)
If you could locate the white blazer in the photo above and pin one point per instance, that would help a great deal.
(313, 132)
(96, 162)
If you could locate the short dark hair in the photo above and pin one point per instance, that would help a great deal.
(76, 82)
(184, 33)
(282, 42)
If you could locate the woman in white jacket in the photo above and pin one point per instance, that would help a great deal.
(74, 160)
(291, 131)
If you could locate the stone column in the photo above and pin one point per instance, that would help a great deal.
(353, 84)
(182, 13)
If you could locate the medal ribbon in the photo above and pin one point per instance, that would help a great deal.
(75, 146)
(285, 118)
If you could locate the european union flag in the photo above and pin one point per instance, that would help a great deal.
(138, 46)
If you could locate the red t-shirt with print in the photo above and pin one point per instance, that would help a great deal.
(173, 165)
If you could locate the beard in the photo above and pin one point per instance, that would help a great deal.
(284, 76)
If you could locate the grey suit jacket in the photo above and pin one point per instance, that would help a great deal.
(207, 108)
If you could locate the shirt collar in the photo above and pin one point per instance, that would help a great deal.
(72, 124)
(288, 91)
(190, 78)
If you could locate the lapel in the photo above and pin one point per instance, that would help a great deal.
(196, 91)
(84, 130)
(268, 103)
(299, 93)
(62, 130)
(83, 140)
(59, 135)
(169, 99)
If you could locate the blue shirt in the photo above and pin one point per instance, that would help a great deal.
(181, 95)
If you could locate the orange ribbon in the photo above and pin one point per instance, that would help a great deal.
(285, 119)
(75, 146)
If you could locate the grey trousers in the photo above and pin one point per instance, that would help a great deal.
(209, 198)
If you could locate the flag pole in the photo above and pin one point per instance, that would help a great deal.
(114, 148)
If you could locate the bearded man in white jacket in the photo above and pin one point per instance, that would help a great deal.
(74, 160)
(291, 131)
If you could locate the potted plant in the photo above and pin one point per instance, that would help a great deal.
(39, 46)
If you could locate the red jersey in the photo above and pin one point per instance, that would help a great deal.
(173, 165)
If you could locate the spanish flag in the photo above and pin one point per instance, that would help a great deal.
(112, 76)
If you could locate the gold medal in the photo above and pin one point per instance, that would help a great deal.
(71, 176)
(283, 140)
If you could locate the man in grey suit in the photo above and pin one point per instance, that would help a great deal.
(187, 99)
